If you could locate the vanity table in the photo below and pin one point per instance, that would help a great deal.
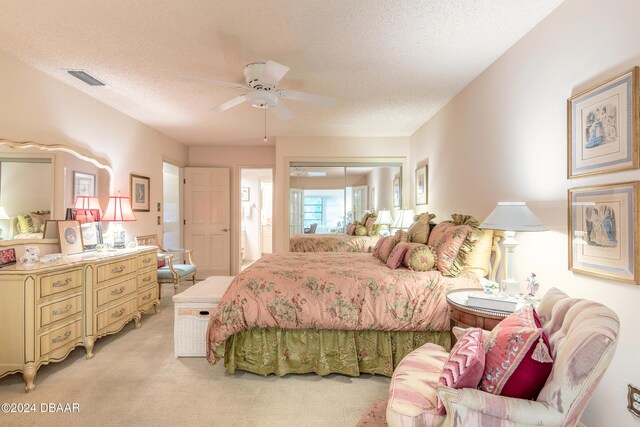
(48, 309)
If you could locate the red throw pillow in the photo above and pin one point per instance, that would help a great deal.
(465, 365)
(376, 249)
(518, 357)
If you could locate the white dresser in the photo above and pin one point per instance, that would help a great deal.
(46, 310)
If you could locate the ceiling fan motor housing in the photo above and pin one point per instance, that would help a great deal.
(253, 74)
(262, 99)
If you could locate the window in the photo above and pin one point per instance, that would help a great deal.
(313, 210)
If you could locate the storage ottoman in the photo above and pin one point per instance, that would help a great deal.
(192, 310)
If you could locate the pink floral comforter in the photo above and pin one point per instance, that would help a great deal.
(332, 290)
(332, 243)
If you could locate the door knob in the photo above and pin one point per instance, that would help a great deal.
(225, 229)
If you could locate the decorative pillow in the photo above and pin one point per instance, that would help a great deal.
(402, 236)
(452, 243)
(386, 248)
(419, 257)
(37, 220)
(351, 230)
(361, 230)
(376, 249)
(419, 230)
(518, 357)
(479, 259)
(365, 215)
(397, 255)
(23, 224)
(465, 365)
(370, 226)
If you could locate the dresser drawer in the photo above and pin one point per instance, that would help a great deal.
(117, 290)
(59, 310)
(117, 313)
(145, 279)
(147, 296)
(60, 337)
(60, 282)
(116, 269)
(147, 260)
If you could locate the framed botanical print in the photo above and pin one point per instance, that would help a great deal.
(396, 191)
(603, 127)
(70, 237)
(84, 184)
(603, 231)
(139, 191)
(422, 178)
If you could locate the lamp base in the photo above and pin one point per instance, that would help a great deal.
(510, 287)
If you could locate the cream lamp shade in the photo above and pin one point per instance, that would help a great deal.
(511, 217)
(404, 219)
(385, 219)
(3, 213)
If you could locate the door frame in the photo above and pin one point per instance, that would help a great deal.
(236, 213)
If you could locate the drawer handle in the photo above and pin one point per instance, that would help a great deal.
(118, 291)
(146, 279)
(147, 260)
(120, 269)
(118, 313)
(61, 338)
(64, 282)
(60, 311)
(146, 297)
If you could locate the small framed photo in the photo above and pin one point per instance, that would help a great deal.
(89, 225)
(397, 197)
(7, 257)
(603, 127)
(70, 237)
(84, 184)
(422, 182)
(139, 191)
(244, 194)
(603, 231)
(50, 229)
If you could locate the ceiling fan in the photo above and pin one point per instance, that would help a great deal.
(260, 87)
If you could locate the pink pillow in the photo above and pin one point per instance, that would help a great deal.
(518, 360)
(386, 248)
(397, 255)
(376, 249)
(465, 365)
(351, 230)
(447, 239)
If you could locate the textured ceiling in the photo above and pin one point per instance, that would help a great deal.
(391, 64)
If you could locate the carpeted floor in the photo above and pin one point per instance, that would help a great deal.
(134, 379)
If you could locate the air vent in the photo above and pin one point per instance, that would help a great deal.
(85, 77)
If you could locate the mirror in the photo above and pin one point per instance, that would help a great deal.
(326, 198)
(39, 177)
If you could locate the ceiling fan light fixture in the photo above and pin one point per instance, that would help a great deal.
(262, 99)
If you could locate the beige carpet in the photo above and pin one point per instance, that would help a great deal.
(134, 379)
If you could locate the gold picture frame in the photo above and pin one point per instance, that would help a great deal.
(70, 236)
(603, 231)
(422, 185)
(603, 127)
(139, 190)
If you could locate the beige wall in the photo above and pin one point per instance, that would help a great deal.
(337, 149)
(47, 111)
(504, 138)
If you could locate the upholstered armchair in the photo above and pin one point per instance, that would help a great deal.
(168, 270)
(582, 336)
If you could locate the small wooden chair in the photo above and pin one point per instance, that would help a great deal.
(168, 271)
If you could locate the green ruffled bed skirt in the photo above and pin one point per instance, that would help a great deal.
(285, 351)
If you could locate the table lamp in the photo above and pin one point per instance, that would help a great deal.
(88, 202)
(511, 217)
(118, 211)
(404, 219)
(384, 218)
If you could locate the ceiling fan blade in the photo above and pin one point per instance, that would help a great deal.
(273, 72)
(282, 112)
(230, 103)
(219, 83)
(307, 97)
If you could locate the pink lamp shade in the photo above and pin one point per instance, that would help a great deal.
(88, 202)
(118, 210)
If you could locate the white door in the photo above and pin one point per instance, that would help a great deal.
(296, 211)
(207, 219)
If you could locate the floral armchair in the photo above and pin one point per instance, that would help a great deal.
(583, 336)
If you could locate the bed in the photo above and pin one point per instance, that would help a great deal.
(332, 243)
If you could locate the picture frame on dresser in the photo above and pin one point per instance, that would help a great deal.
(139, 189)
(603, 231)
(50, 229)
(603, 127)
(90, 226)
(70, 235)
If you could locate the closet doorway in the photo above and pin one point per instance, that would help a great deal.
(256, 214)
(172, 206)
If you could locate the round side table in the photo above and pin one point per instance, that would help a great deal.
(463, 316)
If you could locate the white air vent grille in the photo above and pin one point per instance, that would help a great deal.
(85, 77)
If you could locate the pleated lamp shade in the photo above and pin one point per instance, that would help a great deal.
(118, 210)
(88, 202)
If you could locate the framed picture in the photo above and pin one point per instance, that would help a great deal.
(244, 194)
(603, 231)
(89, 226)
(84, 184)
(70, 237)
(397, 197)
(603, 127)
(139, 191)
(50, 229)
(421, 185)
